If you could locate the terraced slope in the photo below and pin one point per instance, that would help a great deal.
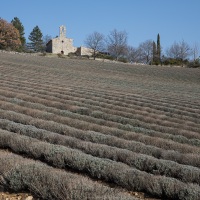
(81, 129)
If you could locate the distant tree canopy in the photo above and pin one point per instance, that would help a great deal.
(179, 51)
(45, 40)
(18, 25)
(117, 43)
(133, 54)
(146, 51)
(9, 36)
(95, 41)
(36, 40)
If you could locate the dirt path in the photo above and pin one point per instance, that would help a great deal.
(19, 196)
(26, 196)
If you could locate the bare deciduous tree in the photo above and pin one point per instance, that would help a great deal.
(117, 43)
(146, 51)
(173, 51)
(179, 50)
(133, 54)
(185, 50)
(46, 39)
(195, 51)
(95, 42)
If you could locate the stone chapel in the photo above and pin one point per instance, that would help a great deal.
(61, 44)
(64, 45)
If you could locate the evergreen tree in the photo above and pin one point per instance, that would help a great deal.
(158, 48)
(35, 37)
(18, 25)
(154, 53)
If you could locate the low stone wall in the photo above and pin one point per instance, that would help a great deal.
(20, 53)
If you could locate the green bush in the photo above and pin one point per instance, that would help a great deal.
(122, 59)
(175, 62)
(104, 56)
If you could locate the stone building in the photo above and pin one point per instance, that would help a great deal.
(61, 44)
(64, 45)
(84, 51)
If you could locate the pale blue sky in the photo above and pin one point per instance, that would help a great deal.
(174, 20)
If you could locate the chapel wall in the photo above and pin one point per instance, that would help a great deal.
(63, 44)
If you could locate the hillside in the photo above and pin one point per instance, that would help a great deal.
(84, 129)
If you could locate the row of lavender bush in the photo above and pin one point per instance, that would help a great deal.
(47, 183)
(96, 137)
(126, 123)
(44, 112)
(142, 162)
(111, 171)
(140, 134)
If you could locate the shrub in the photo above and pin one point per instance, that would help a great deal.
(105, 169)
(104, 56)
(175, 61)
(194, 64)
(48, 183)
(60, 55)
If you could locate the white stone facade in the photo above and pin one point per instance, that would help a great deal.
(64, 45)
(61, 44)
(82, 51)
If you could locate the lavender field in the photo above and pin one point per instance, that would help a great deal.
(83, 129)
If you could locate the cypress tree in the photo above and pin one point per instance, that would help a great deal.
(154, 53)
(158, 48)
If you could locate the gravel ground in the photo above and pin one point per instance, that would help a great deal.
(12, 196)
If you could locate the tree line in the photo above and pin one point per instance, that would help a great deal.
(148, 52)
(114, 46)
(12, 37)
